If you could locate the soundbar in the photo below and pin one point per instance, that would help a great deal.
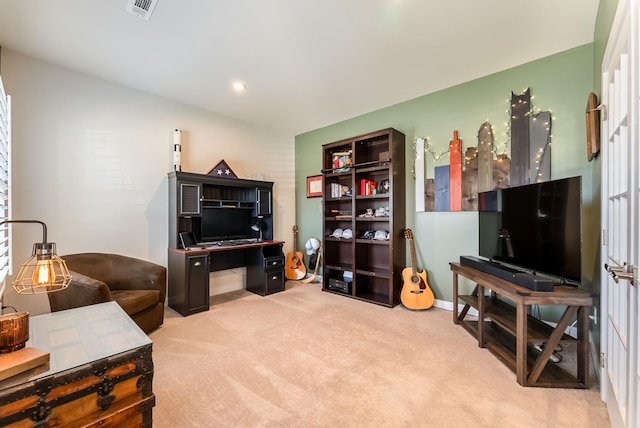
(524, 279)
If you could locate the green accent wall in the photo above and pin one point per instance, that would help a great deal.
(606, 13)
(559, 83)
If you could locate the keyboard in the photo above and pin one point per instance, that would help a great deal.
(207, 244)
(232, 242)
(226, 243)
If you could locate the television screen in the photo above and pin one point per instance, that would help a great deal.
(219, 224)
(536, 227)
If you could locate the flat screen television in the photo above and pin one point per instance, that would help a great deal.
(535, 227)
(219, 224)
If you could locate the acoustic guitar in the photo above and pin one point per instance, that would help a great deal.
(294, 267)
(415, 293)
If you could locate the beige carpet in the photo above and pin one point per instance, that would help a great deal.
(306, 358)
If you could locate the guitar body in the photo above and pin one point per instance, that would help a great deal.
(294, 268)
(415, 293)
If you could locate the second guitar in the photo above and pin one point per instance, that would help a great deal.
(294, 268)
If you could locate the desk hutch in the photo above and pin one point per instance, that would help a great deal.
(188, 270)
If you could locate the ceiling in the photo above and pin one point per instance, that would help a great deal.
(306, 64)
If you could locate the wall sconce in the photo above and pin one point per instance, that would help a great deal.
(44, 271)
(258, 226)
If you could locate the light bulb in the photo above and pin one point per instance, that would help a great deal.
(44, 273)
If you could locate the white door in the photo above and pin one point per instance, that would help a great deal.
(620, 379)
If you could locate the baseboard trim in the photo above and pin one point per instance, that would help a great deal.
(443, 304)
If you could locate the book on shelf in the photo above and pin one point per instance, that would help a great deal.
(341, 215)
(338, 190)
(368, 187)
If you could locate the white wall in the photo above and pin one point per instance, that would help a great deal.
(90, 159)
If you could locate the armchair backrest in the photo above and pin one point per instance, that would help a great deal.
(120, 272)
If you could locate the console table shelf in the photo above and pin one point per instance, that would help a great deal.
(505, 327)
(503, 346)
(504, 315)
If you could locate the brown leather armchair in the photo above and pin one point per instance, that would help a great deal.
(137, 285)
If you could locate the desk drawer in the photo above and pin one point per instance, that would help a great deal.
(274, 281)
(273, 263)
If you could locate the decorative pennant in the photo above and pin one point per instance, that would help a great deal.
(441, 180)
(455, 173)
(419, 172)
(520, 139)
(222, 169)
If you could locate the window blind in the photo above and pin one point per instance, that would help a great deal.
(5, 184)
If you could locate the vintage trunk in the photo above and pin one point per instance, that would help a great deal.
(114, 390)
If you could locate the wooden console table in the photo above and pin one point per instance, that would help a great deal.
(509, 332)
(100, 372)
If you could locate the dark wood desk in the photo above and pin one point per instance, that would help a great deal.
(508, 330)
(188, 272)
(100, 372)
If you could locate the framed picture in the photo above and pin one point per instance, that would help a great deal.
(383, 187)
(314, 186)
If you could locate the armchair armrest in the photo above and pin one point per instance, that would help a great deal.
(136, 274)
(82, 291)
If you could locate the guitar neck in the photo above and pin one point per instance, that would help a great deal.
(413, 256)
(295, 239)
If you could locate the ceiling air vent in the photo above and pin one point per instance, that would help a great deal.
(141, 8)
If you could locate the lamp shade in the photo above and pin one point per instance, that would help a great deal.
(43, 272)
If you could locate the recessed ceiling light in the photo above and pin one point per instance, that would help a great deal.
(239, 86)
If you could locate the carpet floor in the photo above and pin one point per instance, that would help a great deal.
(306, 358)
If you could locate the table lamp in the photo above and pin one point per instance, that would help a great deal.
(258, 226)
(43, 272)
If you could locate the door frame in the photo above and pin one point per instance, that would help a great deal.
(623, 40)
